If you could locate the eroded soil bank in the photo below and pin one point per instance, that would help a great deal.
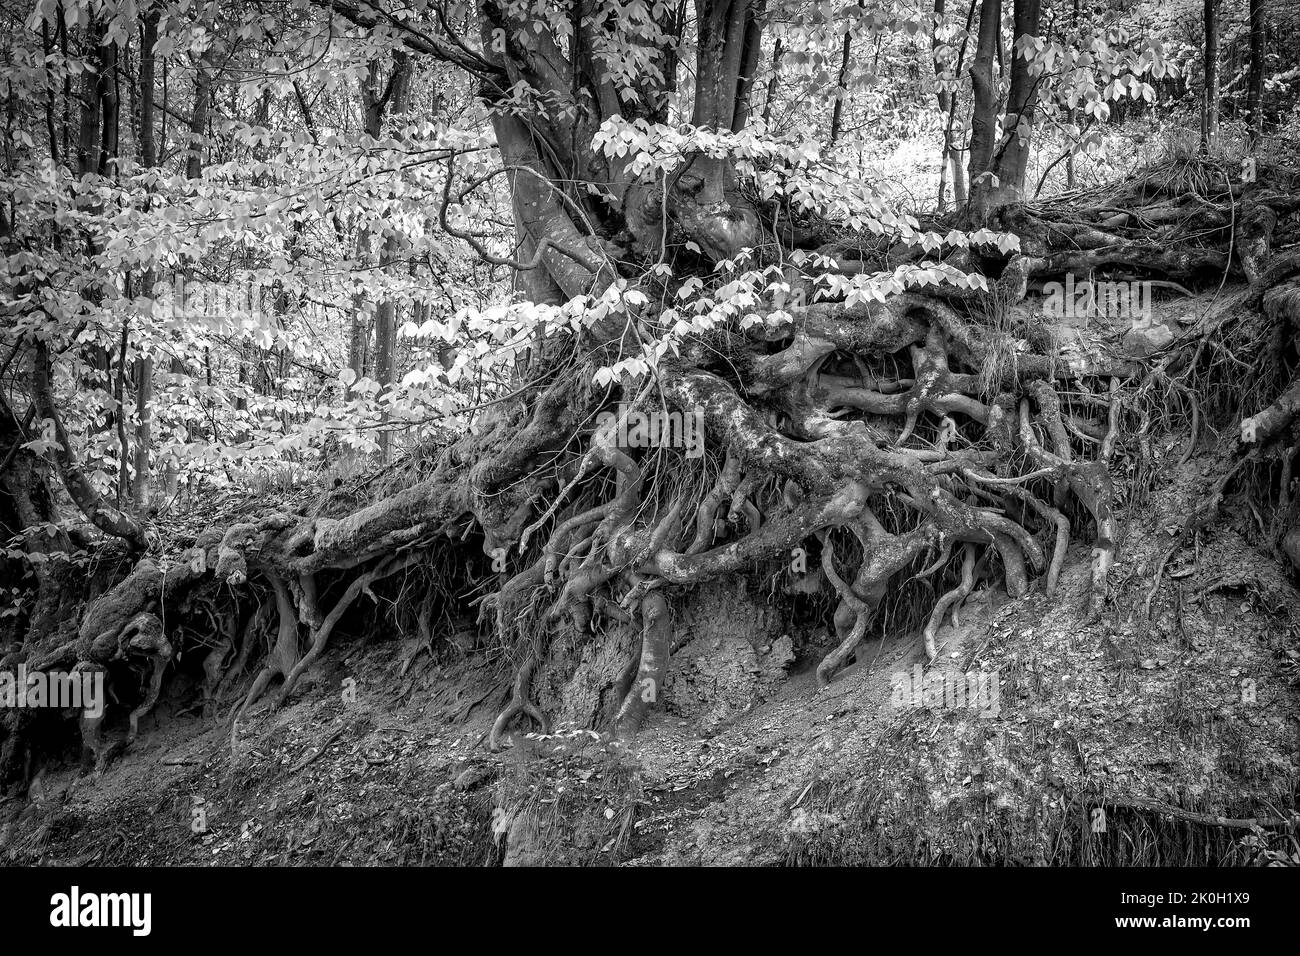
(1123, 740)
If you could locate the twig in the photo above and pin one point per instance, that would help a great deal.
(1208, 819)
(307, 761)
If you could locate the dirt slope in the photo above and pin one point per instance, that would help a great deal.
(1114, 741)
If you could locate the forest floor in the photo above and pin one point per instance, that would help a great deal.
(1166, 738)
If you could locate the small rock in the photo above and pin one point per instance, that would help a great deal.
(1142, 342)
(469, 779)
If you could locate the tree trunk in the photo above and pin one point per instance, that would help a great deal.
(945, 108)
(1255, 81)
(772, 80)
(392, 100)
(204, 80)
(841, 89)
(104, 516)
(140, 483)
(998, 165)
(386, 338)
(983, 121)
(950, 169)
(92, 91)
(1210, 94)
(108, 100)
(198, 120)
(1021, 102)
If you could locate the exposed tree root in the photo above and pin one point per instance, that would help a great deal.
(321, 632)
(959, 593)
(282, 659)
(920, 425)
(519, 704)
(825, 467)
(142, 637)
(656, 639)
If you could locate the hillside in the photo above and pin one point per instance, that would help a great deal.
(625, 432)
(1147, 719)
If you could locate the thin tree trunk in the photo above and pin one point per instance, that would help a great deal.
(777, 50)
(48, 48)
(198, 122)
(393, 99)
(119, 398)
(983, 101)
(1210, 100)
(91, 90)
(950, 162)
(841, 91)
(749, 55)
(1255, 85)
(67, 82)
(998, 168)
(140, 485)
(386, 337)
(945, 107)
(1073, 117)
(103, 515)
(203, 82)
(108, 101)
(1022, 97)
(96, 142)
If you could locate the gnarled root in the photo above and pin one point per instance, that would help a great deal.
(214, 665)
(884, 555)
(93, 751)
(321, 633)
(519, 704)
(1264, 426)
(941, 606)
(284, 653)
(656, 638)
(851, 603)
(1090, 481)
(1010, 488)
(259, 621)
(146, 638)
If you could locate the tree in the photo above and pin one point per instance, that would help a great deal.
(392, 98)
(140, 485)
(869, 390)
(1255, 82)
(997, 165)
(950, 156)
(1210, 102)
